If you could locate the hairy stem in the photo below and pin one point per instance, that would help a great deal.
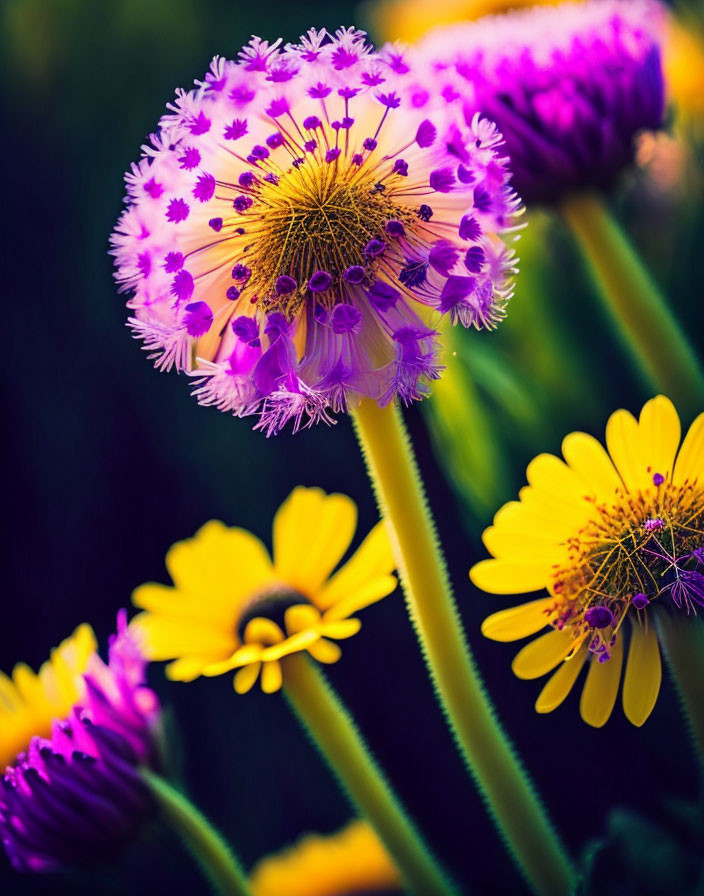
(643, 315)
(514, 805)
(204, 843)
(340, 743)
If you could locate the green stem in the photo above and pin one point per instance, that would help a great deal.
(202, 840)
(683, 640)
(512, 802)
(644, 316)
(336, 736)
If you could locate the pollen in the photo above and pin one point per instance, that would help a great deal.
(315, 219)
(620, 556)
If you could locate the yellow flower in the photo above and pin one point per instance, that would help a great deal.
(350, 861)
(233, 607)
(613, 536)
(411, 19)
(30, 702)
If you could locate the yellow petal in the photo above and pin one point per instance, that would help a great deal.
(243, 656)
(271, 677)
(660, 431)
(690, 461)
(623, 442)
(369, 593)
(188, 668)
(372, 561)
(325, 651)
(164, 638)
(245, 678)
(589, 460)
(641, 683)
(542, 655)
(510, 577)
(517, 622)
(345, 628)
(548, 474)
(601, 687)
(523, 544)
(262, 630)
(220, 565)
(560, 683)
(312, 531)
(294, 644)
(301, 617)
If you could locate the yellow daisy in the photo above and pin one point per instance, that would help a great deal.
(234, 607)
(349, 861)
(616, 536)
(31, 701)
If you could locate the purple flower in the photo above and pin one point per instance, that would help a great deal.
(569, 87)
(76, 794)
(336, 255)
(204, 188)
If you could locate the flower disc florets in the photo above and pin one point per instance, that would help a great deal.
(644, 547)
(570, 87)
(299, 220)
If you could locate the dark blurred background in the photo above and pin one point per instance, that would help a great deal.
(108, 462)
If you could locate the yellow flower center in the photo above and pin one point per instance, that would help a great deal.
(270, 603)
(319, 217)
(644, 546)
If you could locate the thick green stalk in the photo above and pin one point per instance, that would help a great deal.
(513, 803)
(683, 640)
(341, 745)
(642, 313)
(202, 840)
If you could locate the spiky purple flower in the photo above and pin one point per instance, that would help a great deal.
(344, 199)
(570, 87)
(77, 796)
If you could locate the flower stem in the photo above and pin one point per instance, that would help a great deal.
(204, 843)
(683, 640)
(644, 316)
(513, 803)
(336, 736)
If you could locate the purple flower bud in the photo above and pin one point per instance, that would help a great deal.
(311, 123)
(469, 229)
(374, 247)
(425, 212)
(640, 601)
(232, 293)
(320, 281)
(426, 134)
(346, 319)
(599, 616)
(401, 167)
(442, 180)
(395, 228)
(354, 274)
(241, 272)
(215, 224)
(332, 154)
(285, 285)
(383, 296)
(198, 319)
(474, 259)
(369, 143)
(246, 179)
(273, 141)
(658, 479)
(246, 330)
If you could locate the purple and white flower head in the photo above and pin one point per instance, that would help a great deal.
(76, 795)
(570, 86)
(300, 222)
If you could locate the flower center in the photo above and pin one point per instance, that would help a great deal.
(646, 546)
(270, 603)
(311, 226)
